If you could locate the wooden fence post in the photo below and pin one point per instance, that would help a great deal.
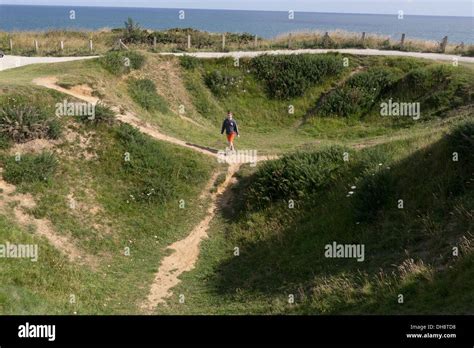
(363, 36)
(289, 40)
(11, 45)
(36, 46)
(91, 46)
(189, 41)
(444, 44)
(402, 41)
(122, 45)
(62, 45)
(256, 41)
(154, 41)
(223, 41)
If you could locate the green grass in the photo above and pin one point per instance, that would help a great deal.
(282, 249)
(127, 193)
(143, 92)
(106, 219)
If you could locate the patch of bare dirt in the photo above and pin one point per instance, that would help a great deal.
(34, 146)
(43, 227)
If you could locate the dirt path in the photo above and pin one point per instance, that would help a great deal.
(126, 117)
(186, 251)
(43, 227)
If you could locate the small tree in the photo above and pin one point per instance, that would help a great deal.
(132, 32)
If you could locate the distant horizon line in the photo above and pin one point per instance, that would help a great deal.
(224, 9)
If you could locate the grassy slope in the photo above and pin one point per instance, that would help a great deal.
(277, 248)
(282, 250)
(105, 221)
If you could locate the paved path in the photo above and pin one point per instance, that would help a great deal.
(364, 52)
(9, 62)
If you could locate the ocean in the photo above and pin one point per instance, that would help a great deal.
(265, 24)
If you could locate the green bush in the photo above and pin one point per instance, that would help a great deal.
(4, 142)
(436, 87)
(188, 62)
(22, 120)
(103, 115)
(461, 140)
(132, 33)
(288, 76)
(359, 93)
(122, 62)
(375, 190)
(30, 168)
(295, 176)
(143, 92)
(223, 83)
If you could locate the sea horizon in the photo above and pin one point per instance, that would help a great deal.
(266, 24)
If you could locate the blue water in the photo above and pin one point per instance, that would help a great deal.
(262, 23)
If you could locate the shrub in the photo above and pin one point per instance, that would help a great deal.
(359, 93)
(461, 140)
(143, 92)
(295, 176)
(31, 168)
(188, 62)
(119, 62)
(4, 142)
(288, 76)
(21, 120)
(376, 189)
(103, 115)
(223, 83)
(132, 33)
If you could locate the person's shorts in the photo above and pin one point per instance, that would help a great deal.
(230, 137)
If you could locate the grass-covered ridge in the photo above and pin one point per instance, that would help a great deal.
(282, 242)
(105, 187)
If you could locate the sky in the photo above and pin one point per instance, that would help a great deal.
(414, 7)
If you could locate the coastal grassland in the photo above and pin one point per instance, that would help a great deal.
(135, 203)
(76, 42)
(282, 250)
(102, 203)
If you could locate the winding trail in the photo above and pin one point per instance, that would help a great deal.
(185, 251)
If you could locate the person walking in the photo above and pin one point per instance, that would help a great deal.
(231, 130)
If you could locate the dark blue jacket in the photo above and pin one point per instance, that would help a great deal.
(230, 126)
